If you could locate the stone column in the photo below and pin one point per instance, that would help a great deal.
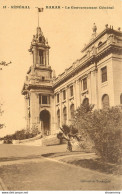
(34, 56)
(67, 104)
(94, 88)
(75, 95)
(48, 57)
(34, 109)
(61, 108)
(27, 111)
(44, 58)
(97, 92)
(37, 111)
(80, 88)
(78, 91)
(89, 87)
(55, 112)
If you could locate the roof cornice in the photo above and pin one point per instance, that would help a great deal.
(106, 31)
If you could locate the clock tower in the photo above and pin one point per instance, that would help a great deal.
(38, 86)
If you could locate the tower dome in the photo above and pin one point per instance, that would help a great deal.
(40, 49)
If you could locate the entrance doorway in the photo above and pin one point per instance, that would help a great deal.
(45, 122)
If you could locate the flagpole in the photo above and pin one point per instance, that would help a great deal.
(38, 17)
(39, 10)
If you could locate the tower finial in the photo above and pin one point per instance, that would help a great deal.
(106, 26)
(94, 31)
(94, 28)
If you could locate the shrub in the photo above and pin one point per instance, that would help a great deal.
(81, 123)
(8, 139)
(1, 112)
(65, 129)
(60, 137)
(106, 133)
(21, 135)
(104, 127)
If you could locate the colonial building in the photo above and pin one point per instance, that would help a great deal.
(95, 78)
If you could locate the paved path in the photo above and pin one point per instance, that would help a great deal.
(51, 174)
(18, 154)
(26, 169)
(2, 185)
(9, 151)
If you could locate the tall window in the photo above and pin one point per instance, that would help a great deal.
(58, 118)
(86, 101)
(29, 100)
(64, 115)
(40, 98)
(104, 74)
(84, 83)
(40, 39)
(121, 99)
(43, 78)
(72, 111)
(29, 115)
(105, 101)
(41, 56)
(57, 98)
(43, 99)
(64, 94)
(71, 91)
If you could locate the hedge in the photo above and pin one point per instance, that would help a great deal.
(104, 127)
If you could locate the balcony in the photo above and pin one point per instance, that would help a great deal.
(44, 105)
(84, 92)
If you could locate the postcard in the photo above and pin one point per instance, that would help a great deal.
(60, 95)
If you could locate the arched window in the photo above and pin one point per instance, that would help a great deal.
(72, 111)
(40, 39)
(105, 101)
(85, 101)
(121, 98)
(64, 115)
(58, 118)
(99, 43)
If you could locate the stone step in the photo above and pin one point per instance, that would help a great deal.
(37, 142)
(50, 140)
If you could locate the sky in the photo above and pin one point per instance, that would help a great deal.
(67, 31)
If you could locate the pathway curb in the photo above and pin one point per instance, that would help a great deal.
(2, 186)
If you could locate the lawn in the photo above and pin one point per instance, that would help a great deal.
(93, 163)
(97, 164)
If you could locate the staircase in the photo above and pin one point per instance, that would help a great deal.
(50, 140)
(39, 141)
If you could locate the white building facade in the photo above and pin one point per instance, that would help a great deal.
(95, 78)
